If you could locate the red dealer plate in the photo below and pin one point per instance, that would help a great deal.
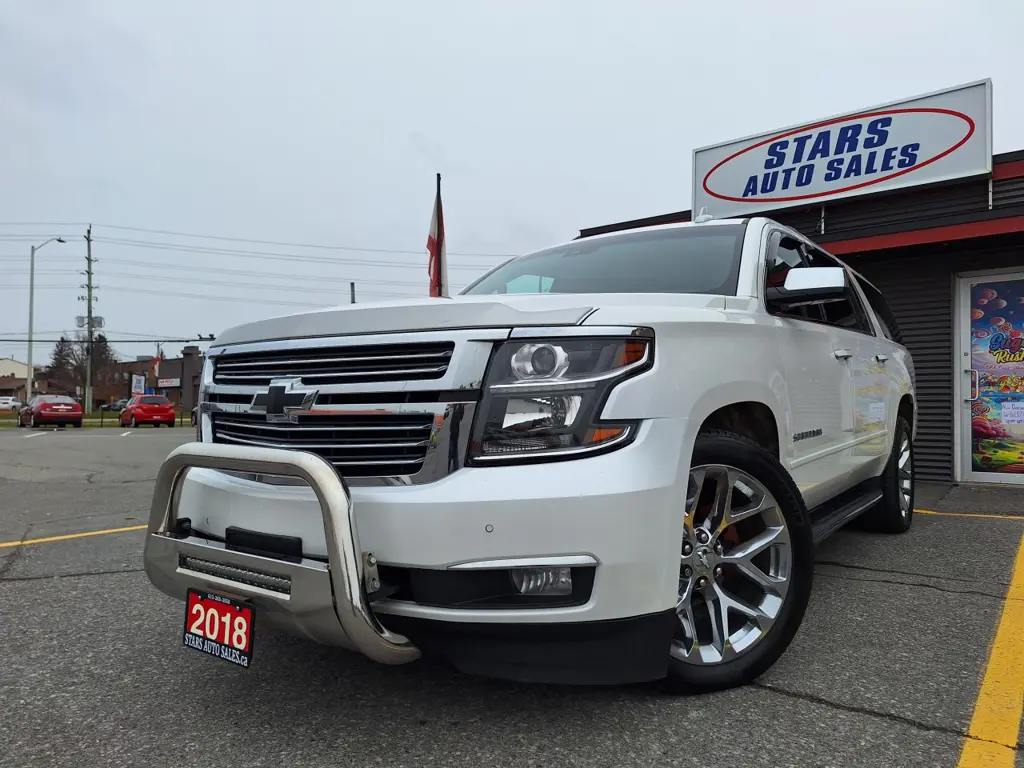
(219, 626)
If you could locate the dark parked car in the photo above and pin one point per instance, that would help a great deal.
(51, 410)
(148, 409)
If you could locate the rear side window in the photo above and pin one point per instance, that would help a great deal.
(154, 400)
(880, 306)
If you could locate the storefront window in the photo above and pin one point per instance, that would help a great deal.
(997, 362)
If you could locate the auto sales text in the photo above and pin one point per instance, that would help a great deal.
(856, 151)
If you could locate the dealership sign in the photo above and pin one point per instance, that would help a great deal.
(168, 383)
(936, 137)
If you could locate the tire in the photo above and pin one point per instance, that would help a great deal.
(135, 424)
(171, 425)
(77, 425)
(32, 421)
(894, 513)
(718, 452)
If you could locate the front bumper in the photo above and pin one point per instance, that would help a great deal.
(325, 602)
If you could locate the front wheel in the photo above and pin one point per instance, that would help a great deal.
(746, 566)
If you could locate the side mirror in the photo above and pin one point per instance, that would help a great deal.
(808, 285)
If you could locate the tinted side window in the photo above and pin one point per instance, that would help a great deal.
(880, 306)
(846, 313)
(785, 254)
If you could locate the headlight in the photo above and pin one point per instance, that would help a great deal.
(542, 397)
(205, 379)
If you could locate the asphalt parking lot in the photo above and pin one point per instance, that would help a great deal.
(886, 670)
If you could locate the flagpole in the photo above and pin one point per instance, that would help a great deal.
(440, 228)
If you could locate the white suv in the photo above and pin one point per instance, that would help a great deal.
(619, 474)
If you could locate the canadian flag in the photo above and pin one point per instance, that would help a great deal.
(437, 266)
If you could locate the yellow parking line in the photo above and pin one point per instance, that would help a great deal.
(995, 725)
(69, 536)
(969, 514)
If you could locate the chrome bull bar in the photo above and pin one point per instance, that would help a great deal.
(326, 603)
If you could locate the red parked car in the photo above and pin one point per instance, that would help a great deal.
(51, 410)
(148, 409)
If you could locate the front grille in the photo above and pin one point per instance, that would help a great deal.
(359, 445)
(336, 365)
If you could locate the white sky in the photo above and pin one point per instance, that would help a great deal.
(324, 122)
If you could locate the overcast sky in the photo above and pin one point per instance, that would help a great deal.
(323, 122)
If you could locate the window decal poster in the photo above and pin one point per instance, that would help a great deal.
(997, 354)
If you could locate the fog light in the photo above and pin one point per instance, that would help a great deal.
(542, 581)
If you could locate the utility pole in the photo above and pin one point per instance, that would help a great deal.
(352, 292)
(88, 309)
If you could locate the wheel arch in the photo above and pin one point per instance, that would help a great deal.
(908, 410)
(751, 410)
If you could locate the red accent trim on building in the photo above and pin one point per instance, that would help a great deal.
(924, 236)
(1008, 170)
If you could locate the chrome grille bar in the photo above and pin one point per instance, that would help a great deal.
(345, 359)
(405, 372)
(358, 444)
(326, 365)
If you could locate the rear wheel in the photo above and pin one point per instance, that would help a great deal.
(135, 424)
(895, 511)
(78, 425)
(746, 566)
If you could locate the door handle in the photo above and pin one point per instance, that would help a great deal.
(881, 358)
(843, 354)
(975, 391)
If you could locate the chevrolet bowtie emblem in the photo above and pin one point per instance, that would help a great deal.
(282, 399)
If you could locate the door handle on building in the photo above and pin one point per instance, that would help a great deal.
(881, 358)
(843, 354)
(974, 385)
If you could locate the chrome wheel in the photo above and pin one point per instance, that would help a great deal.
(735, 565)
(905, 475)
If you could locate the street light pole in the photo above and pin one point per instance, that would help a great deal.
(29, 376)
(29, 379)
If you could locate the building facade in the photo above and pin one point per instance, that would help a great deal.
(943, 242)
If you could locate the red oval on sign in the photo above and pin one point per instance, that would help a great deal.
(761, 199)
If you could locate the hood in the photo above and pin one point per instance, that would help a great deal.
(432, 314)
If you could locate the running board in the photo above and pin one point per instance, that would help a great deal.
(824, 524)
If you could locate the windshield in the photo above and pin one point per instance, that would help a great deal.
(699, 259)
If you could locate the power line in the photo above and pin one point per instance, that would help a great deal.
(294, 245)
(320, 246)
(273, 255)
(193, 340)
(212, 297)
(233, 284)
(239, 272)
(44, 224)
